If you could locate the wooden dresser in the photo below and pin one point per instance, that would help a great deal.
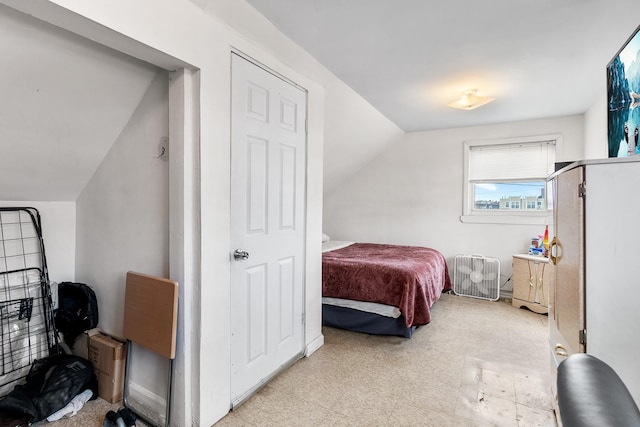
(531, 281)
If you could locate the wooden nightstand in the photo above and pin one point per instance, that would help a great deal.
(531, 276)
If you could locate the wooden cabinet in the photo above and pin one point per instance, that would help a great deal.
(531, 278)
(594, 297)
(566, 294)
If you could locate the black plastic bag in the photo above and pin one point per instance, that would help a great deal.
(51, 383)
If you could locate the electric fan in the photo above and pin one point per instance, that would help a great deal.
(477, 276)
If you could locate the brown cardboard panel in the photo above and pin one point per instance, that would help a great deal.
(108, 358)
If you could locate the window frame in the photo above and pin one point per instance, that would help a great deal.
(495, 216)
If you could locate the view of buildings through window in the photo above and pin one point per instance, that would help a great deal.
(524, 196)
(507, 178)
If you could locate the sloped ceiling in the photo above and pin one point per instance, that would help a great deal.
(64, 101)
(409, 58)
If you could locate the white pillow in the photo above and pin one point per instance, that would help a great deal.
(325, 238)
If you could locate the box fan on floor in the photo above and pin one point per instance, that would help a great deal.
(477, 276)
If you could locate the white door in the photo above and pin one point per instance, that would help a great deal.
(268, 141)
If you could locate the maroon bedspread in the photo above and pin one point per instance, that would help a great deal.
(411, 278)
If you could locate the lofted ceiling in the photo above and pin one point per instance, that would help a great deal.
(64, 102)
(409, 58)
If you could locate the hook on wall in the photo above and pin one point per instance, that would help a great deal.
(163, 149)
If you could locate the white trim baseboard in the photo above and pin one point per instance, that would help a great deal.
(148, 400)
(314, 345)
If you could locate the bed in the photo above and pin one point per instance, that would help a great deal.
(380, 289)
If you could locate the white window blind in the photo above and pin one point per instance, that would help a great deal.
(531, 160)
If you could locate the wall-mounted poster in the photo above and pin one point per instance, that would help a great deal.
(623, 93)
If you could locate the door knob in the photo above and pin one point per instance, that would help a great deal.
(239, 254)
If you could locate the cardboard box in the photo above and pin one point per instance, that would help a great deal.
(108, 355)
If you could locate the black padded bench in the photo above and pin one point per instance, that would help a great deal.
(590, 393)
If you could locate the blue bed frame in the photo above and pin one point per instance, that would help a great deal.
(362, 321)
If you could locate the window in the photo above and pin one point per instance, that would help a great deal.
(506, 180)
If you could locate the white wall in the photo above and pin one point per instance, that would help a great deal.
(59, 235)
(123, 220)
(59, 91)
(412, 194)
(355, 134)
(595, 129)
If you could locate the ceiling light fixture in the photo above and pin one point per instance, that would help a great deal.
(470, 100)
